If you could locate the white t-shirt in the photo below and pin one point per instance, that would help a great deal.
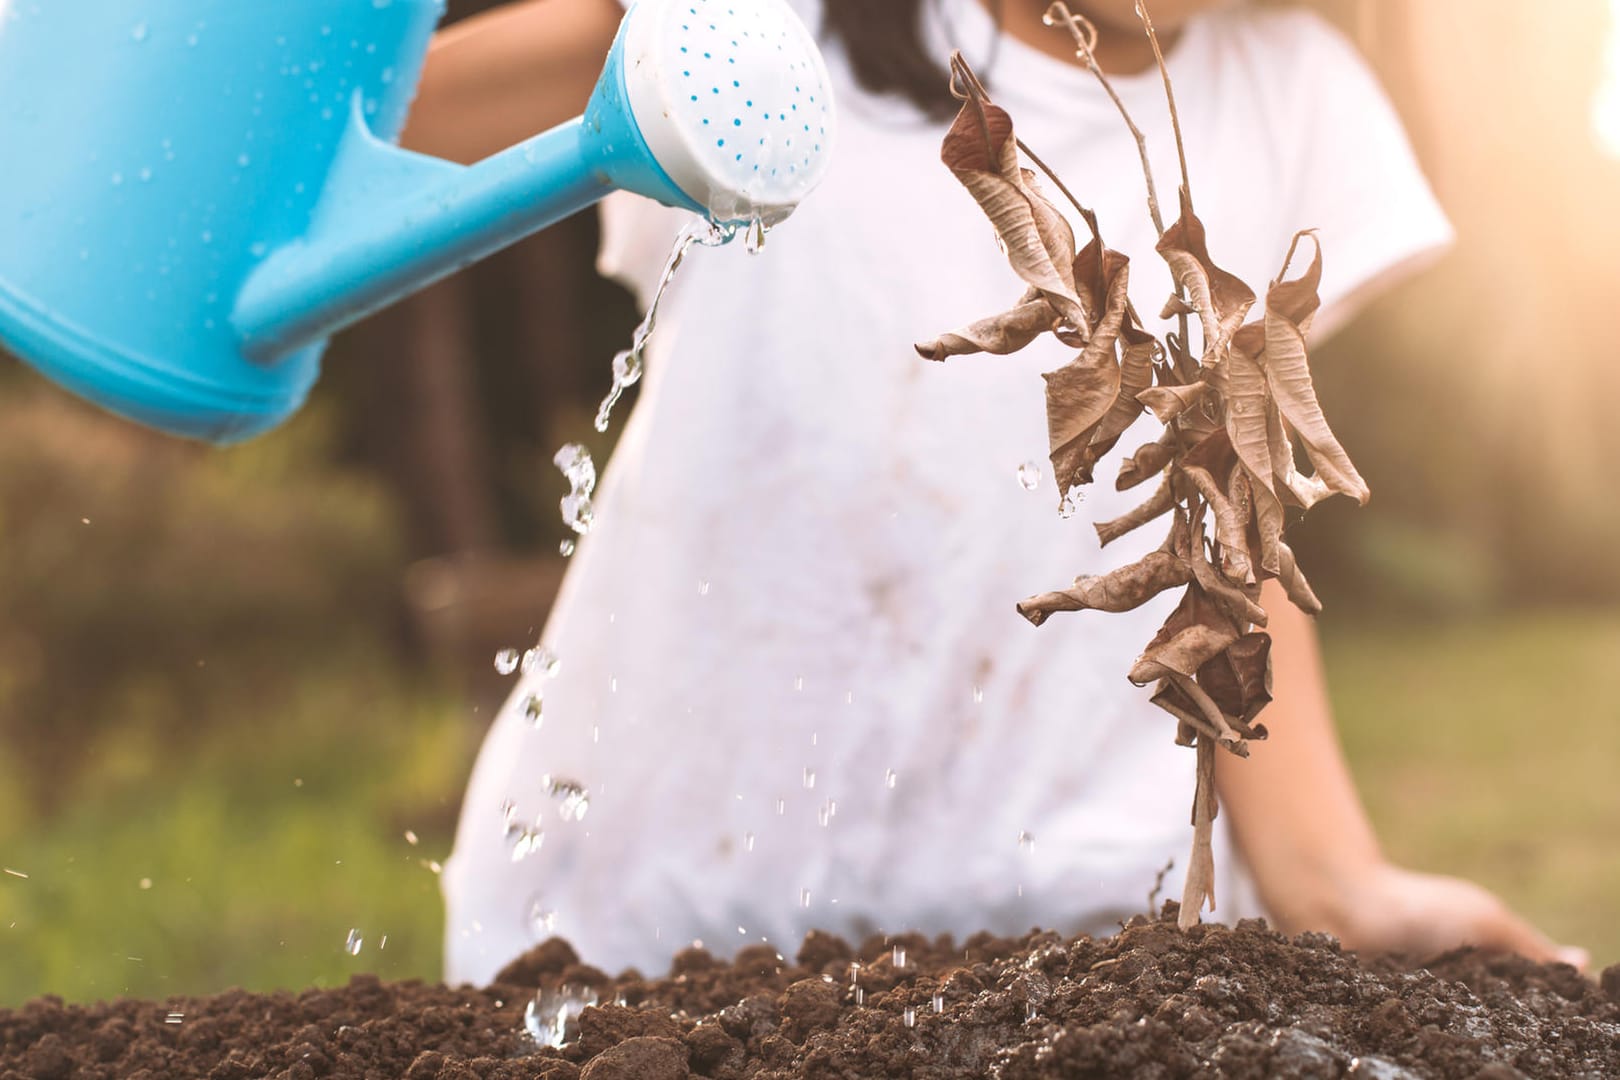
(793, 682)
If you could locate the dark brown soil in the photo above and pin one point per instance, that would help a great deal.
(1151, 1002)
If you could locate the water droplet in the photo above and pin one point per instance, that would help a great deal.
(1029, 475)
(576, 464)
(798, 683)
(860, 995)
(528, 842)
(552, 1017)
(1071, 503)
(566, 549)
(541, 659)
(574, 799)
(533, 710)
(939, 1003)
(506, 661)
(781, 807)
(703, 588)
(748, 841)
(978, 695)
(1029, 1013)
(353, 943)
(117, 179)
(909, 1017)
(139, 31)
(754, 239)
(411, 838)
(809, 779)
(804, 898)
(898, 956)
(175, 1018)
(146, 884)
(828, 811)
(890, 778)
(1026, 843)
(145, 175)
(259, 250)
(243, 161)
(542, 920)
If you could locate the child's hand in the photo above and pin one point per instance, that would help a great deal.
(1395, 910)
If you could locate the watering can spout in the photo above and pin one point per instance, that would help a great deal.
(248, 201)
(393, 221)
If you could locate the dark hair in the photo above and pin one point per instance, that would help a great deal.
(884, 42)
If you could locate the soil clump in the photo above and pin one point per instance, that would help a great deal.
(1153, 1001)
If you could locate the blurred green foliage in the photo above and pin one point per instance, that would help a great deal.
(213, 741)
(1487, 749)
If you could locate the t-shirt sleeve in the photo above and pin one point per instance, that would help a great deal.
(1357, 180)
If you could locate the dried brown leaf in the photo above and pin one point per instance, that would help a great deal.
(1238, 680)
(1231, 524)
(1138, 351)
(1221, 299)
(981, 150)
(1170, 402)
(1162, 502)
(1124, 589)
(998, 335)
(1289, 308)
(1148, 462)
(1078, 396)
(1294, 584)
(1195, 633)
(1242, 604)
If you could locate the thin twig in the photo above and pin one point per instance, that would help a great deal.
(1086, 215)
(1084, 33)
(1169, 92)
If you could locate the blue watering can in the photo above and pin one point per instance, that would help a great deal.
(196, 194)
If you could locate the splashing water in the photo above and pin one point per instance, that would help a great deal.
(534, 710)
(576, 464)
(627, 365)
(541, 659)
(754, 239)
(552, 1017)
(573, 799)
(542, 920)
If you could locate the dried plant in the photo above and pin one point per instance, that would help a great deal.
(1225, 464)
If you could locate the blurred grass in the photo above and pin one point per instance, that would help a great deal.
(1488, 749)
(211, 739)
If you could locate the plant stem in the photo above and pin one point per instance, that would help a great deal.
(1169, 93)
(1085, 40)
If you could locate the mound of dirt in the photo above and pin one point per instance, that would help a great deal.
(1150, 1002)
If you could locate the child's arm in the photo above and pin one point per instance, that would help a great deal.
(1301, 828)
(510, 73)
